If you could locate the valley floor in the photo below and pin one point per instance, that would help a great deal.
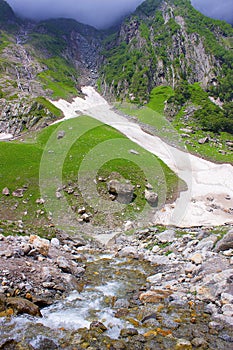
(209, 198)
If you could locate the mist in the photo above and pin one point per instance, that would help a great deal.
(104, 13)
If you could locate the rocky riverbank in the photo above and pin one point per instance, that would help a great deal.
(157, 289)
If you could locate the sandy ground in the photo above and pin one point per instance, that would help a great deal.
(209, 198)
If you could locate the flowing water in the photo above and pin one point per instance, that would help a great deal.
(110, 295)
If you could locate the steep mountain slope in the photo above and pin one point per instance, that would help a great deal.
(50, 59)
(165, 42)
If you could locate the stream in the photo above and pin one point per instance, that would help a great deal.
(108, 314)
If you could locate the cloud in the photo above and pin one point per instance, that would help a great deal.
(104, 13)
(220, 9)
(99, 13)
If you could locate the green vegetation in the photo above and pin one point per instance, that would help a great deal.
(133, 63)
(158, 96)
(207, 121)
(47, 104)
(208, 115)
(20, 168)
(60, 76)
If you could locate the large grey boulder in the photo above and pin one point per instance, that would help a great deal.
(225, 243)
(124, 192)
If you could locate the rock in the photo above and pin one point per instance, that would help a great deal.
(128, 332)
(155, 249)
(166, 236)
(40, 201)
(71, 282)
(63, 264)
(82, 210)
(227, 310)
(133, 152)
(183, 344)
(2, 302)
(60, 134)
(98, 326)
(123, 191)
(200, 343)
(151, 197)
(23, 306)
(55, 242)
(121, 303)
(12, 344)
(58, 195)
(40, 244)
(155, 278)
(128, 252)
(18, 193)
(6, 191)
(86, 217)
(225, 243)
(154, 296)
(118, 345)
(48, 272)
(203, 140)
(196, 258)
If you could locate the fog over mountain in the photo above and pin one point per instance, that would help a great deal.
(104, 13)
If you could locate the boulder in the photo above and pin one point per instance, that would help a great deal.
(40, 244)
(22, 306)
(154, 296)
(151, 197)
(64, 264)
(124, 191)
(225, 243)
(166, 236)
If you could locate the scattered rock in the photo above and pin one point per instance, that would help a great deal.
(6, 191)
(18, 193)
(60, 134)
(151, 197)
(40, 201)
(203, 140)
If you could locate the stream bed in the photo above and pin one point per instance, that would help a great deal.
(108, 314)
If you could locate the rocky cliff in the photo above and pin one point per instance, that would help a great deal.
(50, 59)
(163, 43)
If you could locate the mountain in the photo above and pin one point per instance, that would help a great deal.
(41, 61)
(6, 13)
(163, 43)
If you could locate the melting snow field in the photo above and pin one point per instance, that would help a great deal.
(209, 198)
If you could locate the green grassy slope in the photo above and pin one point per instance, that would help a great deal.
(20, 164)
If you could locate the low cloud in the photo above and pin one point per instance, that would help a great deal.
(220, 9)
(104, 13)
